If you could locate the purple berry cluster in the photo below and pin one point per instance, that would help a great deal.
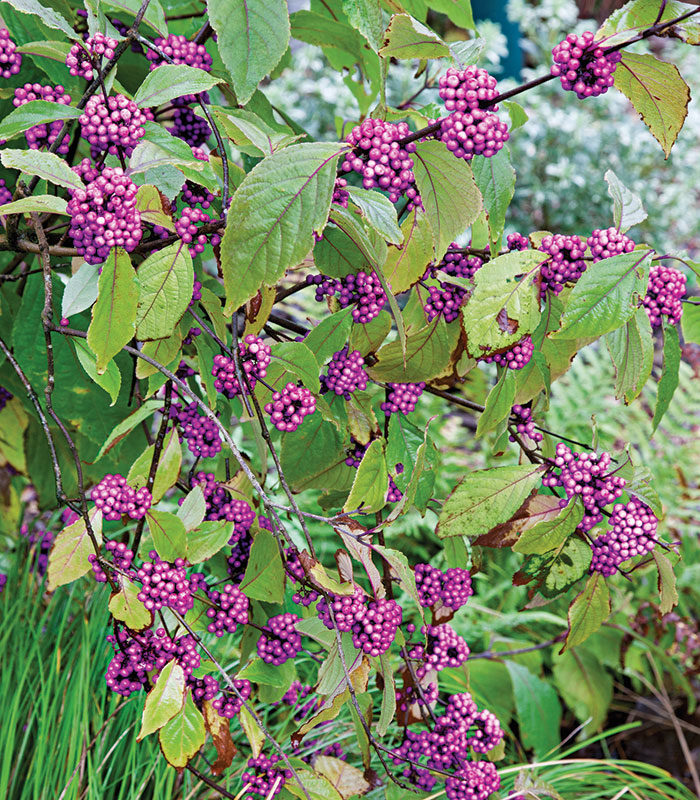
(230, 609)
(475, 781)
(115, 498)
(114, 124)
(265, 778)
(379, 158)
(189, 127)
(254, 356)
(238, 560)
(186, 229)
(608, 243)
(588, 476)
(665, 290)
(393, 493)
(104, 215)
(444, 649)
(122, 558)
(10, 61)
(280, 641)
(365, 292)
(446, 300)
(473, 133)
(376, 629)
(5, 396)
(584, 67)
(43, 135)
(467, 89)
(632, 532)
(566, 264)
(516, 241)
(228, 705)
(451, 588)
(40, 540)
(288, 408)
(84, 56)
(521, 419)
(220, 505)
(340, 193)
(346, 610)
(402, 397)
(166, 585)
(456, 262)
(5, 195)
(200, 432)
(297, 574)
(182, 51)
(345, 374)
(515, 357)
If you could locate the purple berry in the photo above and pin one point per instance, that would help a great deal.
(264, 778)
(515, 357)
(473, 133)
(85, 56)
(230, 609)
(375, 631)
(43, 135)
(566, 264)
(447, 300)
(182, 51)
(186, 229)
(457, 263)
(280, 640)
(402, 398)
(200, 432)
(288, 408)
(516, 241)
(467, 89)
(167, 585)
(345, 374)
(632, 532)
(10, 61)
(229, 704)
(608, 243)
(5, 396)
(115, 498)
(584, 67)
(364, 290)
(113, 125)
(254, 356)
(665, 289)
(189, 127)
(521, 418)
(340, 193)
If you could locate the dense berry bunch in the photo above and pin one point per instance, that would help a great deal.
(473, 133)
(205, 688)
(5, 193)
(288, 408)
(340, 193)
(584, 67)
(83, 57)
(182, 51)
(374, 632)
(113, 125)
(453, 587)
(447, 300)
(516, 241)
(192, 194)
(254, 357)
(122, 559)
(444, 649)
(566, 264)
(588, 476)
(264, 779)
(608, 243)
(465, 89)
(402, 397)
(220, 505)
(104, 215)
(10, 61)
(664, 292)
(167, 585)
(230, 704)
(200, 432)
(365, 292)
(521, 419)
(114, 497)
(325, 286)
(230, 609)
(474, 781)
(280, 640)
(43, 135)
(186, 229)
(516, 357)
(379, 158)
(457, 263)
(347, 610)
(632, 532)
(5, 395)
(189, 127)
(295, 570)
(238, 560)
(345, 374)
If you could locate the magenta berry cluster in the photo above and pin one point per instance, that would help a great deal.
(393, 493)
(345, 374)
(446, 300)
(402, 397)
(122, 558)
(83, 57)
(588, 476)
(115, 498)
(475, 781)
(237, 562)
(220, 505)
(456, 262)
(114, 124)
(566, 264)
(607, 243)
(200, 432)
(444, 649)
(340, 193)
(363, 291)
(189, 127)
(254, 357)
(664, 295)
(295, 570)
(166, 585)
(186, 229)
(515, 357)
(228, 705)
(346, 609)
(521, 419)
(5, 194)
(584, 67)
(375, 630)
(182, 51)
(10, 61)
(104, 215)
(379, 158)
(452, 588)
(516, 241)
(265, 778)
(473, 133)
(46, 134)
(467, 89)
(230, 609)
(279, 640)
(632, 532)
(288, 408)
(324, 286)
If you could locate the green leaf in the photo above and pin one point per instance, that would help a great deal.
(81, 290)
(690, 323)
(172, 80)
(273, 215)
(486, 498)
(669, 374)
(407, 38)
(518, 115)
(125, 606)
(165, 291)
(635, 17)
(588, 611)
(56, 51)
(296, 358)
(42, 204)
(658, 93)
(666, 583)
(640, 484)
(323, 31)
(628, 210)
(68, 559)
(46, 165)
(411, 447)
(264, 575)
(153, 208)
(498, 403)
(330, 335)
(466, 51)
(366, 17)
(165, 700)
(378, 211)
(585, 685)
(551, 533)
(406, 263)
(182, 737)
(317, 786)
(154, 16)
(604, 297)
(168, 532)
(450, 196)
(278, 675)
(251, 133)
(207, 539)
(252, 38)
(388, 708)
(127, 425)
(538, 710)
(48, 16)
(631, 348)
(371, 482)
(36, 112)
(193, 509)
(110, 380)
(114, 314)
(495, 178)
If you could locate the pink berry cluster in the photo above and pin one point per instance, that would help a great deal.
(230, 609)
(104, 215)
(114, 124)
(402, 397)
(229, 704)
(46, 134)
(280, 641)
(122, 558)
(446, 300)
(237, 562)
(189, 127)
(588, 476)
(515, 357)
(166, 585)
(632, 532)
(200, 432)
(254, 357)
(516, 241)
(265, 778)
(381, 161)
(220, 505)
(451, 589)
(345, 374)
(10, 61)
(664, 295)
(393, 493)
(607, 243)
(466, 89)
(373, 623)
(566, 264)
(584, 67)
(458, 263)
(365, 292)
(186, 229)
(521, 419)
(473, 133)
(182, 51)
(288, 408)
(340, 193)
(444, 648)
(135, 655)
(115, 498)
(84, 56)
